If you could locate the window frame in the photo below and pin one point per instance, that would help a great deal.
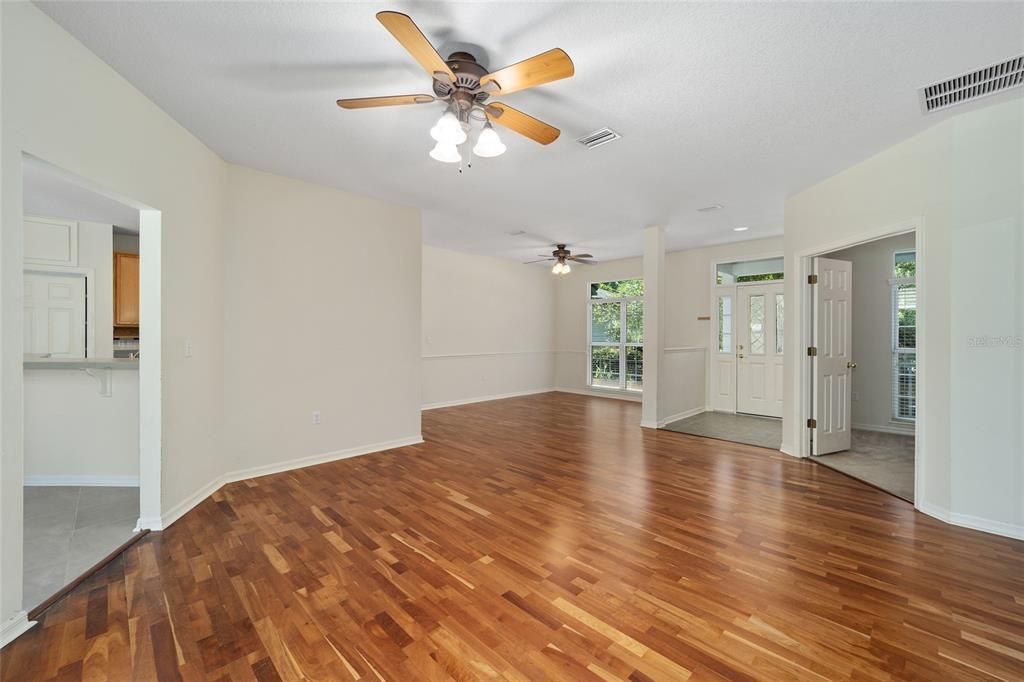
(896, 350)
(623, 303)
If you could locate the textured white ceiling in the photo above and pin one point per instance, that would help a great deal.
(737, 104)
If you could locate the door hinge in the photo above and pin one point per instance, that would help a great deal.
(812, 279)
(812, 351)
(812, 423)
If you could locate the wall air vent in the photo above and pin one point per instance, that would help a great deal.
(598, 138)
(973, 85)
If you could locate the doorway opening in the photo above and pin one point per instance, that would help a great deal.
(745, 372)
(864, 364)
(90, 380)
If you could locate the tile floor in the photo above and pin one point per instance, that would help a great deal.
(738, 428)
(882, 459)
(68, 530)
(885, 460)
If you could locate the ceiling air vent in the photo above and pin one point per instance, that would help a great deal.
(973, 85)
(598, 138)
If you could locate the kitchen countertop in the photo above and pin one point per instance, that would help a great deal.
(80, 363)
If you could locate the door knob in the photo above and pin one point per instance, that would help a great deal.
(851, 365)
(740, 356)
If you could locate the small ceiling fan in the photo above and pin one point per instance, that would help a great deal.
(467, 86)
(561, 255)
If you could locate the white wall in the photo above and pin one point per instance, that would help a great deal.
(322, 312)
(302, 265)
(75, 436)
(687, 296)
(488, 327)
(872, 331)
(117, 138)
(126, 243)
(688, 286)
(962, 181)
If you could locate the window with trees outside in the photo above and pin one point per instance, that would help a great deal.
(616, 349)
(904, 337)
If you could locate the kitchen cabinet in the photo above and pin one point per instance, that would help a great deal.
(126, 290)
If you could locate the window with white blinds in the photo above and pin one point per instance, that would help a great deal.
(904, 337)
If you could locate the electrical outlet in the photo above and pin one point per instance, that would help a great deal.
(316, 417)
(188, 348)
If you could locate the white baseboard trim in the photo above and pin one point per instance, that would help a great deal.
(180, 509)
(933, 511)
(301, 462)
(177, 511)
(14, 627)
(617, 395)
(788, 449)
(111, 481)
(682, 415)
(485, 398)
(1008, 530)
(896, 429)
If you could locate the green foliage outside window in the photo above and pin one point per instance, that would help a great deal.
(906, 264)
(617, 289)
(766, 277)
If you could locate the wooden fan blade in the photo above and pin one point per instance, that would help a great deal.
(539, 260)
(583, 261)
(405, 31)
(397, 100)
(583, 255)
(548, 66)
(524, 124)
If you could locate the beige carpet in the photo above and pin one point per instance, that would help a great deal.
(885, 460)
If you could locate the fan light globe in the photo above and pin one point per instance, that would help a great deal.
(448, 130)
(557, 269)
(566, 269)
(488, 144)
(445, 153)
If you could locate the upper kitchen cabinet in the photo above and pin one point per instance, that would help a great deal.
(50, 241)
(126, 290)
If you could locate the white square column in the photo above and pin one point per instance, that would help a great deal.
(654, 315)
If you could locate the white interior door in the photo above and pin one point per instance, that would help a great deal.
(760, 321)
(55, 314)
(833, 318)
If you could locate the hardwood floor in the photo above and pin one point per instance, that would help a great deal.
(546, 537)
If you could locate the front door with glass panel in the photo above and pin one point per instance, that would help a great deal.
(760, 320)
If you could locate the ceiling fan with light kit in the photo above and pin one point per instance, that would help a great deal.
(467, 87)
(562, 256)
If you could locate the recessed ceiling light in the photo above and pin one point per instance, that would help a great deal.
(712, 207)
(740, 229)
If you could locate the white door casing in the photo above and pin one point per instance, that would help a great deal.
(833, 318)
(759, 357)
(55, 314)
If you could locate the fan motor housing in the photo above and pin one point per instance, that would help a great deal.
(468, 72)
